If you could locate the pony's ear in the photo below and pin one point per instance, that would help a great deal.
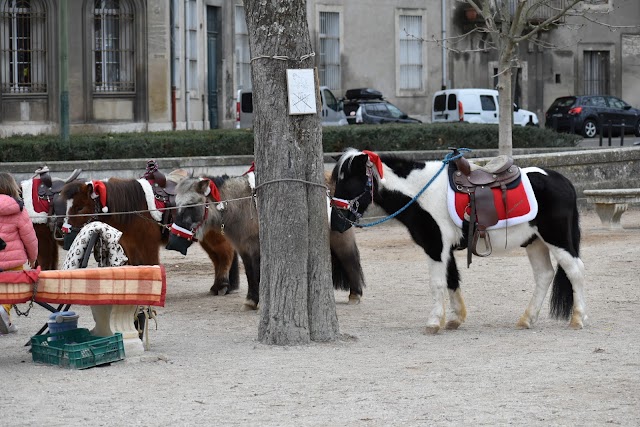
(375, 160)
(202, 186)
(86, 188)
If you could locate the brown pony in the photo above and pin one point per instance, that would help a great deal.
(47, 247)
(125, 205)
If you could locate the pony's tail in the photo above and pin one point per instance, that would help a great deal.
(342, 280)
(562, 292)
(339, 274)
(561, 295)
(234, 274)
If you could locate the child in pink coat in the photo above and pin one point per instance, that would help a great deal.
(16, 230)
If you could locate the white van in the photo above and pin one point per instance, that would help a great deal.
(474, 106)
(332, 113)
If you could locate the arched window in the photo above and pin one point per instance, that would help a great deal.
(22, 46)
(114, 53)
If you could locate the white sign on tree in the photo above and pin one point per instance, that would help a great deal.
(301, 89)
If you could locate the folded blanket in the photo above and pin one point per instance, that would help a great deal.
(129, 285)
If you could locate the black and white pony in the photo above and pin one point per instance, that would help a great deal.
(392, 182)
(226, 203)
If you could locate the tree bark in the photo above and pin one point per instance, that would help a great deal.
(296, 295)
(505, 107)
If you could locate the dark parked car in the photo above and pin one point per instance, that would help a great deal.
(587, 114)
(369, 106)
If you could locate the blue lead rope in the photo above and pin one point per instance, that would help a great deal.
(447, 159)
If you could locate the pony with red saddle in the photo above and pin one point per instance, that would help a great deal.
(42, 200)
(456, 204)
(141, 209)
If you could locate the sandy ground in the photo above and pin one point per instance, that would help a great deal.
(205, 366)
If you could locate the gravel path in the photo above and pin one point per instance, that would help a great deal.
(206, 368)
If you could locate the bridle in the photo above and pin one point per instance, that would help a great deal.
(190, 234)
(68, 228)
(353, 205)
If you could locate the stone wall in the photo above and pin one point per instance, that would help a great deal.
(587, 169)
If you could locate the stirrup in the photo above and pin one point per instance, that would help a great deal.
(487, 244)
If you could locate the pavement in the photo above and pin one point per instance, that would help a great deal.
(629, 141)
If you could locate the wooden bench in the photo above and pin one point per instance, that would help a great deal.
(612, 203)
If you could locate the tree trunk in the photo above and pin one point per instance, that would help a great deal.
(505, 135)
(296, 295)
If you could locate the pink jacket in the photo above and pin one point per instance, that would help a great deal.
(17, 231)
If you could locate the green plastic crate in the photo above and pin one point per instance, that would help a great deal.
(76, 349)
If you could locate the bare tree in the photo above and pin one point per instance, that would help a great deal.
(296, 294)
(509, 23)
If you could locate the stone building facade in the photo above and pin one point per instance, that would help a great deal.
(147, 65)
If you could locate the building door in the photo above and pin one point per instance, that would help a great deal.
(213, 63)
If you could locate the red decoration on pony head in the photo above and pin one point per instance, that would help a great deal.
(251, 169)
(100, 190)
(375, 159)
(212, 190)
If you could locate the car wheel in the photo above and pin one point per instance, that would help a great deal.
(636, 129)
(589, 128)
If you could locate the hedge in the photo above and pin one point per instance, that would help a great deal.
(224, 142)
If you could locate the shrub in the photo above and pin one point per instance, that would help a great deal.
(225, 142)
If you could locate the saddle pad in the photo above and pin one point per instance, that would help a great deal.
(37, 208)
(160, 205)
(522, 205)
(151, 200)
(126, 285)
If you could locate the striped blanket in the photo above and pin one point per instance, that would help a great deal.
(126, 285)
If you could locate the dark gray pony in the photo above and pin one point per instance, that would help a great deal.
(239, 219)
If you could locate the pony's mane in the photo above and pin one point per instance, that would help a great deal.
(348, 156)
(230, 186)
(125, 195)
(233, 187)
(218, 180)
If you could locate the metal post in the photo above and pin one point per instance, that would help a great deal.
(601, 127)
(444, 44)
(187, 57)
(601, 134)
(622, 134)
(609, 131)
(63, 48)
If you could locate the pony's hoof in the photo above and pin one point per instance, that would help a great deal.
(576, 325)
(221, 288)
(453, 324)
(249, 305)
(354, 299)
(523, 323)
(432, 330)
(577, 321)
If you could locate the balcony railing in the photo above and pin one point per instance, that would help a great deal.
(541, 11)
